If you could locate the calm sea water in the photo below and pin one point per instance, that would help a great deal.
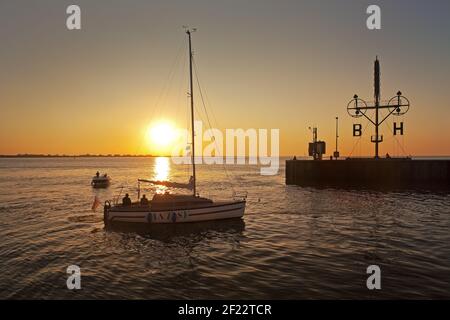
(292, 243)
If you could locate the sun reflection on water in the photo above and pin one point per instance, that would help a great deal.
(161, 172)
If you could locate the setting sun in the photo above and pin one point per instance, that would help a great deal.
(161, 136)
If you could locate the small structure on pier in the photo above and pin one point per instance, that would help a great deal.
(316, 149)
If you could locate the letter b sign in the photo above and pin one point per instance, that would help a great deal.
(357, 130)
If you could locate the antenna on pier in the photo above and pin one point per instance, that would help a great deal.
(397, 106)
(336, 152)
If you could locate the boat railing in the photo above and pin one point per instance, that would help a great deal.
(116, 198)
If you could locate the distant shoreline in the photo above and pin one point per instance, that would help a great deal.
(34, 156)
(78, 156)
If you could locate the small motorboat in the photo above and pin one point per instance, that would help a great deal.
(100, 181)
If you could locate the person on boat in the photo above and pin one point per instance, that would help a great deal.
(144, 201)
(126, 201)
(97, 174)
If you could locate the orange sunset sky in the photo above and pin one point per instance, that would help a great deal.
(263, 64)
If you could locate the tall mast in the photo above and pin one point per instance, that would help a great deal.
(188, 31)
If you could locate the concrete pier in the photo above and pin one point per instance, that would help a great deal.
(397, 173)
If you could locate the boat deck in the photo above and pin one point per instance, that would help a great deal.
(155, 207)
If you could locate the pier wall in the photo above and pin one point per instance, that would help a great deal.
(369, 172)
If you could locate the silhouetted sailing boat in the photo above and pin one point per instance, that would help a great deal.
(176, 208)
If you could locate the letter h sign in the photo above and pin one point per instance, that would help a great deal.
(398, 128)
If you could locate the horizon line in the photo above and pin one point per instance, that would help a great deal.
(126, 155)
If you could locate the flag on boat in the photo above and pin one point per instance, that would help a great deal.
(96, 203)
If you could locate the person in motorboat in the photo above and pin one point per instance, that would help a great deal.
(97, 174)
(144, 201)
(126, 201)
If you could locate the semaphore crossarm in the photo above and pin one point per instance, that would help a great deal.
(398, 106)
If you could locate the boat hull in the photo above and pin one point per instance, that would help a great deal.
(100, 185)
(139, 214)
(100, 182)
